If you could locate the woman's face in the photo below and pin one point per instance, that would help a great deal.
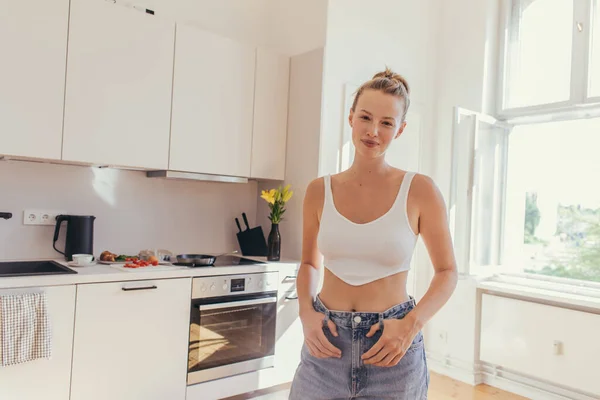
(376, 122)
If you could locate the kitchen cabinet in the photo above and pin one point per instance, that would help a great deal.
(47, 379)
(118, 86)
(131, 344)
(270, 115)
(33, 45)
(289, 327)
(213, 96)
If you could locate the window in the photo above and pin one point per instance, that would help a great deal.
(525, 197)
(540, 51)
(553, 200)
(551, 56)
(476, 206)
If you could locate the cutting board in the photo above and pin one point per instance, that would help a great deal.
(121, 267)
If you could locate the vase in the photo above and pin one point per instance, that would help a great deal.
(274, 244)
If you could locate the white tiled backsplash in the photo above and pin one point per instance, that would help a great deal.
(132, 212)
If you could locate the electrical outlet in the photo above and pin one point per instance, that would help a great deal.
(41, 217)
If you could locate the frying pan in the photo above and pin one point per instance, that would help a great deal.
(198, 260)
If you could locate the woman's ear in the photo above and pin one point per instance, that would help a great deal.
(400, 130)
(350, 117)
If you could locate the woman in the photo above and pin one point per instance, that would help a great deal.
(362, 332)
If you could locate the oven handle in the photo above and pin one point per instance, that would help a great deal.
(205, 307)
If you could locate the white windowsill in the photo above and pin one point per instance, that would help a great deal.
(580, 295)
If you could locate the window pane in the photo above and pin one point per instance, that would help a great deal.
(552, 224)
(539, 52)
(490, 148)
(595, 59)
(459, 206)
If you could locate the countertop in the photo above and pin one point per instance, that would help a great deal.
(107, 273)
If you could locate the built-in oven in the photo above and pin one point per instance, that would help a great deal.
(232, 325)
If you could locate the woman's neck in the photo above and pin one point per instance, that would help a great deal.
(363, 168)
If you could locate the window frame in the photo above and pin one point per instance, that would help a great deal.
(580, 63)
(463, 238)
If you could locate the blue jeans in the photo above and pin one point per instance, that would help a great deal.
(348, 377)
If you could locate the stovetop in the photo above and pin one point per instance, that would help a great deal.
(233, 260)
(224, 261)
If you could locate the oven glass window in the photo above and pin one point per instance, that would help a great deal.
(227, 335)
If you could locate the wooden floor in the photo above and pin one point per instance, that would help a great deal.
(440, 388)
(444, 388)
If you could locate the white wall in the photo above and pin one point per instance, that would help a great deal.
(464, 77)
(363, 40)
(296, 27)
(286, 26)
(242, 20)
(133, 212)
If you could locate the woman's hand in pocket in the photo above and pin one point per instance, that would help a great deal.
(395, 340)
(314, 337)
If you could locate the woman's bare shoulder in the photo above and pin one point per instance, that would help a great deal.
(315, 191)
(426, 191)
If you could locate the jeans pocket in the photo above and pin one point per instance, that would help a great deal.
(417, 343)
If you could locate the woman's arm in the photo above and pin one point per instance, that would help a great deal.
(433, 228)
(308, 273)
(308, 276)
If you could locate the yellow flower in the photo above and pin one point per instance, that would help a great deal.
(277, 199)
(268, 196)
(287, 196)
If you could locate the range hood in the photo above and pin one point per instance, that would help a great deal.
(168, 174)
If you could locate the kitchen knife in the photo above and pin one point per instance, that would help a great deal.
(245, 221)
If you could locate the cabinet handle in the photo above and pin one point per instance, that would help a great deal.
(126, 289)
(289, 277)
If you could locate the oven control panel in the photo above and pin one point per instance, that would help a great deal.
(226, 285)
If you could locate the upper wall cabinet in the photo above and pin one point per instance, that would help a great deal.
(270, 115)
(119, 81)
(33, 44)
(213, 93)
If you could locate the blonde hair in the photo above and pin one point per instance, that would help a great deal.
(387, 82)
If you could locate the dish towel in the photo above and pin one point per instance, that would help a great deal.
(24, 328)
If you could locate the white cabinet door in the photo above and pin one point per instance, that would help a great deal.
(119, 81)
(33, 45)
(270, 115)
(46, 379)
(131, 344)
(289, 328)
(213, 91)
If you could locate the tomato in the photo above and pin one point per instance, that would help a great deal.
(155, 263)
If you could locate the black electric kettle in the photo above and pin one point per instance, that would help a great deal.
(80, 235)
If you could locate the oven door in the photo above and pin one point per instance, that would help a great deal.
(231, 335)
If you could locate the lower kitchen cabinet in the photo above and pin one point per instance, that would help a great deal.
(131, 340)
(289, 328)
(46, 379)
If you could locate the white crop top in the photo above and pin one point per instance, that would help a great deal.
(363, 253)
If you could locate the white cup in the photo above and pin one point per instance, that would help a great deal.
(82, 259)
